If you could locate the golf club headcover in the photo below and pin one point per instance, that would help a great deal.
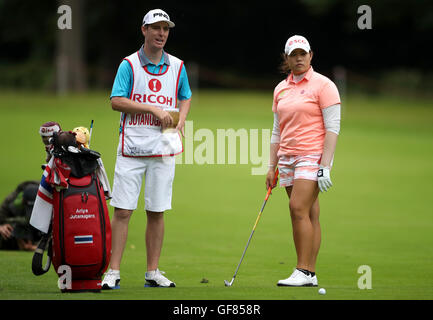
(48, 128)
(82, 136)
(61, 141)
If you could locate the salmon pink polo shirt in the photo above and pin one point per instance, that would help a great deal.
(299, 108)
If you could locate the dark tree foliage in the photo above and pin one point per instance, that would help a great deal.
(243, 38)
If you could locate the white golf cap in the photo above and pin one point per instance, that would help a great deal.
(157, 15)
(296, 42)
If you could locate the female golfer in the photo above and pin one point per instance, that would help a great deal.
(306, 110)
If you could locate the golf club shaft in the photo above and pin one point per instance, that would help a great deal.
(90, 133)
(257, 221)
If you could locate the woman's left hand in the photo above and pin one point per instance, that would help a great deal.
(324, 178)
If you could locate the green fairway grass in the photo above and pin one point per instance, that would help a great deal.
(378, 212)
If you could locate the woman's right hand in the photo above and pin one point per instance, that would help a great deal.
(270, 179)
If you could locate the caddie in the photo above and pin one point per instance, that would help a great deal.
(152, 93)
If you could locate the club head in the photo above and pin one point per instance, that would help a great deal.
(227, 284)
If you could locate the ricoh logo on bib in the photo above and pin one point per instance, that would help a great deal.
(155, 85)
(153, 98)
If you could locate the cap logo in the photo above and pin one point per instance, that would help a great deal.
(298, 41)
(160, 14)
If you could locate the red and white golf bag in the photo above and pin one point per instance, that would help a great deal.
(79, 239)
(81, 233)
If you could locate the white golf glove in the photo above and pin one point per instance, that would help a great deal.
(324, 178)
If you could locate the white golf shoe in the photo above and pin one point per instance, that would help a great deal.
(314, 281)
(111, 280)
(155, 278)
(297, 279)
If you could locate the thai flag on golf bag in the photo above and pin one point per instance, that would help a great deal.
(83, 239)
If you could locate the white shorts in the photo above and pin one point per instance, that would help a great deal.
(158, 173)
(298, 167)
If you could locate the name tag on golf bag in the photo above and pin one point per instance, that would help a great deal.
(81, 232)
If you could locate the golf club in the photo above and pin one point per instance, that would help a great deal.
(227, 283)
(90, 133)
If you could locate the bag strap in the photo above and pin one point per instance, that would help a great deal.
(46, 241)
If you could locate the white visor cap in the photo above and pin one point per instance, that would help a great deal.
(297, 42)
(157, 15)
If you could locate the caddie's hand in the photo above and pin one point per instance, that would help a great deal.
(181, 127)
(164, 117)
(6, 231)
(270, 179)
(324, 178)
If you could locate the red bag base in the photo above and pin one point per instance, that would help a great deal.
(84, 286)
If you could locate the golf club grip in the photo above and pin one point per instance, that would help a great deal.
(277, 172)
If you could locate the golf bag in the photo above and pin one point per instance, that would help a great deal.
(79, 241)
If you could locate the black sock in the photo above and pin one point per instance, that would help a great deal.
(312, 274)
(306, 272)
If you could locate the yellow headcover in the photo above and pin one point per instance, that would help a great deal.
(82, 136)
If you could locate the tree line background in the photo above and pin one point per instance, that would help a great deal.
(225, 44)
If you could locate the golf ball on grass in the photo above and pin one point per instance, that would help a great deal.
(322, 291)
